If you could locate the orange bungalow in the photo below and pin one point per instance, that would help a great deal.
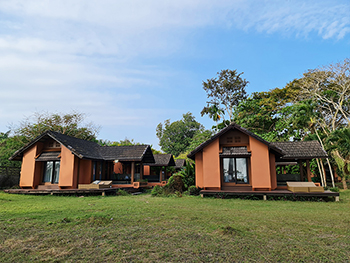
(57, 161)
(156, 173)
(237, 160)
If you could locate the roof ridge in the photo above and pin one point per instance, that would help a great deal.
(224, 130)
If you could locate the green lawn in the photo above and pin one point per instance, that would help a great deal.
(188, 229)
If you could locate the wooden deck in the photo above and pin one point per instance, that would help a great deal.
(102, 192)
(265, 194)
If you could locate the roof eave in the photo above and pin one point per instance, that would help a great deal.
(303, 157)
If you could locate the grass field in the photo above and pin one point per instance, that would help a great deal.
(188, 229)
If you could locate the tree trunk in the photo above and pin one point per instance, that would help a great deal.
(321, 174)
(331, 172)
(324, 173)
(345, 186)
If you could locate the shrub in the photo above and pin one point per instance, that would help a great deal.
(334, 189)
(122, 192)
(194, 190)
(157, 191)
(188, 174)
(176, 183)
(175, 186)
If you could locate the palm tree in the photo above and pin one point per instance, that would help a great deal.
(339, 144)
(214, 113)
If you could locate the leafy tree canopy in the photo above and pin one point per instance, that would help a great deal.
(176, 137)
(225, 92)
(125, 142)
(7, 148)
(338, 143)
(264, 113)
(329, 88)
(71, 124)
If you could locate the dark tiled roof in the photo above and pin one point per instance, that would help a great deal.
(48, 156)
(81, 148)
(233, 127)
(235, 151)
(127, 153)
(179, 163)
(301, 150)
(92, 150)
(162, 160)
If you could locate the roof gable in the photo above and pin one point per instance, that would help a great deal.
(179, 163)
(92, 150)
(163, 160)
(233, 127)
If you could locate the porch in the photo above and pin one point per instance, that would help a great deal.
(273, 193)
(124, 174)
(103, 192)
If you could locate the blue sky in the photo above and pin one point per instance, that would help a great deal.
(130, 65)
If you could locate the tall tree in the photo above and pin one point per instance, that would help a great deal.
(71, 124)
(262, 112)
(8, 146)
(4, 136)
(214, 113)
(329, 88)
(225, 91)
(175, 137)
(125, 142)
(339, 144)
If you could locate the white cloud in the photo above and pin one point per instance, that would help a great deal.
(330, 19)
(90, 55)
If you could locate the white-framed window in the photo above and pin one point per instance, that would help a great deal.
(235, 170)
(51, 172)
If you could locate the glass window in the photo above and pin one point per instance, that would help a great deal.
(229, 170)
(48, 171)
(241, 170)
(235, 170)
(51, 172)
(56, 172)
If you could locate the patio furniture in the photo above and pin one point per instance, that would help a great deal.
(304, 187)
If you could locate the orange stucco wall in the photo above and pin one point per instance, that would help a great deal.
(211, 165)
(31, 170)
(199, 169)
(118, 168)
(273, 171)
(146, 170)
(85, 171)
(68, 169)
(71, 166)
(259, 164)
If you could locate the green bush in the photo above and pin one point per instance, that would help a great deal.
(193, 190)
(334, 189)
(122, 192)
(188, 174)
(176, 183)
(175, 186)
(157, 191)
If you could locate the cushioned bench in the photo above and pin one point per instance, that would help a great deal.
(304, 187)
(96, 185)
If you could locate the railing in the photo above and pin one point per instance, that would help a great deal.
(9, 176)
